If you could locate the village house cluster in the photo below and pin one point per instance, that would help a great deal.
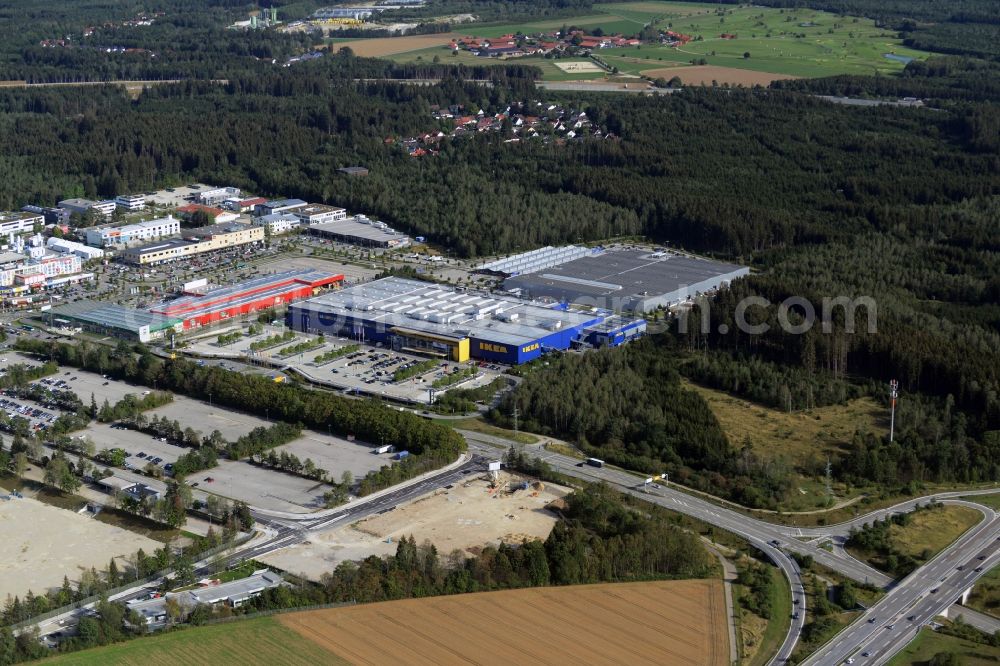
(528, 120)
(515, 46)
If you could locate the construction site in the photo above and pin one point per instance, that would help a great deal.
(486, 510)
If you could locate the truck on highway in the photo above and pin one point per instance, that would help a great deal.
(595, 462)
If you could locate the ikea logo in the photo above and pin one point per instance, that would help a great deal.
(530, 348)
(497, 349)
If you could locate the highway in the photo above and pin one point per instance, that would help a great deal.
(923, 595)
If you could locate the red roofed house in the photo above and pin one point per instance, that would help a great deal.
(217, 214)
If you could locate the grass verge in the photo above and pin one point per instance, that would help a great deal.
(929, 643)
(261, 641)
(477, 424)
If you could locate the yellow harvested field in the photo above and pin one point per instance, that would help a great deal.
(664, 622)
(382, 46)
(704, 74)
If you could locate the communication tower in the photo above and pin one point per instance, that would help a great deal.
(893, 395)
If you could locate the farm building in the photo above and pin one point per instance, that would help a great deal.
(260, 293)
(620, 280)
(436, 320)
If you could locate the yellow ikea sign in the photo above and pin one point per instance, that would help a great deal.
(496, 349)
(530, 348)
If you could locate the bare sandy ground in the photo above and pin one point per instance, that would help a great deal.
(465, 518)
(581, 66)
(39, 544)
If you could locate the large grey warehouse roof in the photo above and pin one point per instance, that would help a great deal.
(371, 231)
(114, 316)
(443, 311)
(626, 279)
(535, 260)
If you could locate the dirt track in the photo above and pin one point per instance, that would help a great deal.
(663, 622)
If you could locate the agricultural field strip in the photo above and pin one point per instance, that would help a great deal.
(565, 624)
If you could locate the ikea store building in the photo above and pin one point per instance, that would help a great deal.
(437, 320)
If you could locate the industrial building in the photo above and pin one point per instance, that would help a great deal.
(319, 214)
(216, 215)
(32, 266)
(278, 206)
(353, 13)
(114, 320)
(19, 222)
(153, 611)
(436, 320)
(359, 230)
(193, 242)
(57, 216)
(267, 291)
(277, 223)
(84, 206)
(130, 202)
(620, 280)
(112, 236)
(85, 252)
(217, 195)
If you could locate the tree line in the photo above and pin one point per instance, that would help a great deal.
(430, 444)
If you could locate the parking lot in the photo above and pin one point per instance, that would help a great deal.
(352, 273)
(261, 487)
(235, 480)
(337, 455)
(369, 370)
(140, 447)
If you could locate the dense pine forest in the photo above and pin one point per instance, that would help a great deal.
(898, 204)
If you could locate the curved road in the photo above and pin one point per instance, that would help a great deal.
(929, 591)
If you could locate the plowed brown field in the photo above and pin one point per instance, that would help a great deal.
(697, 75)
(663, 622)
(381, 46)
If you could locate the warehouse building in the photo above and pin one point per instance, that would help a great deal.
(130, 202)
(278, 206)
(267, 291)
(85, 252)
(359, 230)
(620, 280)
(111, 236)
(114, 320)
(194, 242)
(319, 214)
(436, 320)
(20, 221)
(277, 223)
(84, 206)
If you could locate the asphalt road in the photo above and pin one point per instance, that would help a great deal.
(923, 595)
(282, 532)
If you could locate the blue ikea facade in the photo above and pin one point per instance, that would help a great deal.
(418, 317)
